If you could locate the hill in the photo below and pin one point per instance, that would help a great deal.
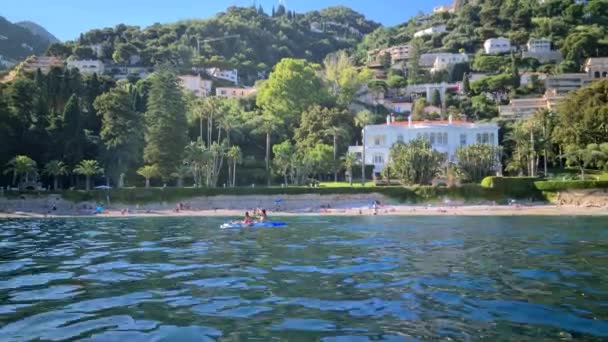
(576, 28)
(244, 38)
(38, 31)
(17, 42)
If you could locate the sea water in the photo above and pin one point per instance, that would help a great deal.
(321, 278)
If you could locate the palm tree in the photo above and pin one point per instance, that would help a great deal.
(235, 156)
(335, 132)
(55, 169)
(543, 119)
(348, 161)
(218, 151)
(180, 173)
(88, 168)
(267, 123)
(198, 158)
(21, 165)
(148, 172)
(364, 118)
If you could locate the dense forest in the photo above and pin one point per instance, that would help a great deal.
(245, 38)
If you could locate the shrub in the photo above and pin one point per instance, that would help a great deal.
(521, 187)
(570, 185)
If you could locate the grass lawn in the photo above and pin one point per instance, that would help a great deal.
(345, 185)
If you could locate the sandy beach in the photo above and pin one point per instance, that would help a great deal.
(397, 210)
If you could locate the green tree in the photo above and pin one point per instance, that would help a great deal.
(88, 168)
(55, 169)
(466, 85)
(436, 98)
(349, 161)
(235, 156)
(415, 162)
(291, 88)
(121, 132)
(336, 132)
(582, 116)
(321, 156)
(166, 123)
(266, 123)
(283, 157)
(148, 172)
(21, 166)
(477, 161)
(73, 135)
(344, 78)
(413, 66)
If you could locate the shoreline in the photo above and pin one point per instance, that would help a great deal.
(389, 210)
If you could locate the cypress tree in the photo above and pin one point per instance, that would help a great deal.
(515, 72)
(273, 12)
(466, 85)
(74, 139)
(167, 126)
(436, 98)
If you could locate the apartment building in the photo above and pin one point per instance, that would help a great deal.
(198, 86)
(525, 108)
(442, 61)
(45, 64)
(564, 83)
(540, 49)
(86, 66)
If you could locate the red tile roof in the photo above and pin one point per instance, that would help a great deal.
(431, 122)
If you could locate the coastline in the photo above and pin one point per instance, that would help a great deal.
(389, 210)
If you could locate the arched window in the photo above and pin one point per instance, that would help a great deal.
(596, 74)
(605, 74)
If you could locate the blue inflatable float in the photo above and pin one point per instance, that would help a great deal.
(238, 225)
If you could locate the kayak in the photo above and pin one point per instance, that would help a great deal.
(238, 225)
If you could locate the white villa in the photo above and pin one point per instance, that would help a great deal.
(497, 45)
(197, 85)
(540, 49)
(86, 66)
(228, 75)
(442, 61)
(445, 136)
(431, 30)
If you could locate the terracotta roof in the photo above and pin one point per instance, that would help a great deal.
(432, 122)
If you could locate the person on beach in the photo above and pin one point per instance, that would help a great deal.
(375, 207)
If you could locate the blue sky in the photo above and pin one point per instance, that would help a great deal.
(66, 19)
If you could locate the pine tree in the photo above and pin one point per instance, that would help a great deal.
(274, 13)
(91, 91)
(121, 132)
(166, 134)
(261, 10)
(436, 98)
(413, 66)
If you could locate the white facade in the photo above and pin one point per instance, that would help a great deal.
(527, 77)
(597, 67)
(431, 30)
(442, 61)
(228, 75)
(539, 45)
(445, 136)
(197, 85)
(497, 45)
(85, 66)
